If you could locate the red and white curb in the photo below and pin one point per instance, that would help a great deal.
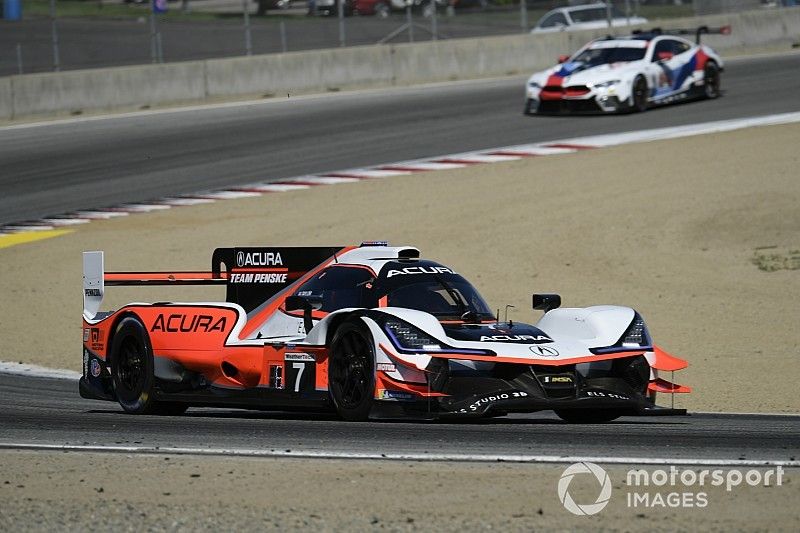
(402, 168)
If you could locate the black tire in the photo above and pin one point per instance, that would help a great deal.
(527, 111)
(351, 371)
(132, 371)
(639, 94)
(711, 77)
(587, 416)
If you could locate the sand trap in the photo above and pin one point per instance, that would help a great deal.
(670, 228)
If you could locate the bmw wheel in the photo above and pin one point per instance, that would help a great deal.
(711, 79)
(351, 371)
(639, 94)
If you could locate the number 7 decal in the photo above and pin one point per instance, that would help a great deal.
(297, 380)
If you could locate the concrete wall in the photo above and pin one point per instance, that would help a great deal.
(140, 86)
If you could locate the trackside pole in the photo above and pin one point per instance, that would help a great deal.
(248, 43)
(54, 32)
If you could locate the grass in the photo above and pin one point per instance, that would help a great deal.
(772, 259)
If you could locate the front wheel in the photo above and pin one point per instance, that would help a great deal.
(639, 94)
(351, 371)
(587, 416)
(711, 81)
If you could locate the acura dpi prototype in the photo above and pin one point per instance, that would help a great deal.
(369, 332)
(628, 74)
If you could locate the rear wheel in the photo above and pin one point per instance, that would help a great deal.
(711, 79)
(132, 371)
(351, 371)
(587, 416)
(639, 94)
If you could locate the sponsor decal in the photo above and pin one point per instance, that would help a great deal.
(515, 338)
(92, 292)
(85, 334)
(295, 356)
(95, 366)
(385, 367)
(492, 399)
(544, 351)
(557, 379)
(419, 270)
(384, 394)
(244, 259)
(188, 323)
(603, 394)
(92, 337)
(259, 278)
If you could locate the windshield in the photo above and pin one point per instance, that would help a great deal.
(451, 298)
(602, 56)
(430, 287)
(594, 14)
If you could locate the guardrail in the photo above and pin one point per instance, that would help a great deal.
(143, 86)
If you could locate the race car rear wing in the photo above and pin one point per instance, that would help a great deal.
(697, 32)
(251, 275)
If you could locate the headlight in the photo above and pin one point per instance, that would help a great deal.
(606, 84)
(637, 334)
(408, 337)
(534, 85)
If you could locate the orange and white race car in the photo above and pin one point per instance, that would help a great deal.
(369, 331)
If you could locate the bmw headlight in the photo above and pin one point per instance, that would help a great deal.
(606, 84)
(408, 337)
(636, 335)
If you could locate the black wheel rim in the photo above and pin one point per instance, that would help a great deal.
(129, 365)
(350, 370)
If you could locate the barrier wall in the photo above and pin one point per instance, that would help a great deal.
(144, 86)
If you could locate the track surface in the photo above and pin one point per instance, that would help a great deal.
(47, 411)
(48, 170)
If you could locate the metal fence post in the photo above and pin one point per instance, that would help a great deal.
(54, 32)
(340, 9)
(284, 44)
(434, 22)
(248, 44)
(19, 58)
(523, 15)
(153, 44)
(409, 22)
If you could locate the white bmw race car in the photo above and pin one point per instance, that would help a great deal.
(625, 74)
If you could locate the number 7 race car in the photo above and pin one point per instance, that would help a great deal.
(370, 332)
(625, 74)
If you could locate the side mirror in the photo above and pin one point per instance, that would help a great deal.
(546, 302)
(300, 303)
(563, 58)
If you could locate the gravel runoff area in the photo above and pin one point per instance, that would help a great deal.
(116, 492)
(672, 228)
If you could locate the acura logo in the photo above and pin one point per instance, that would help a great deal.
(240, 259)
(544, 351)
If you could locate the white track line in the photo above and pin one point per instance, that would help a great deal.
(7, 367)
(443, 162)
(443, 457)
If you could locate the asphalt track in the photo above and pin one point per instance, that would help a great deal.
(59, 167)
(38, 411)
